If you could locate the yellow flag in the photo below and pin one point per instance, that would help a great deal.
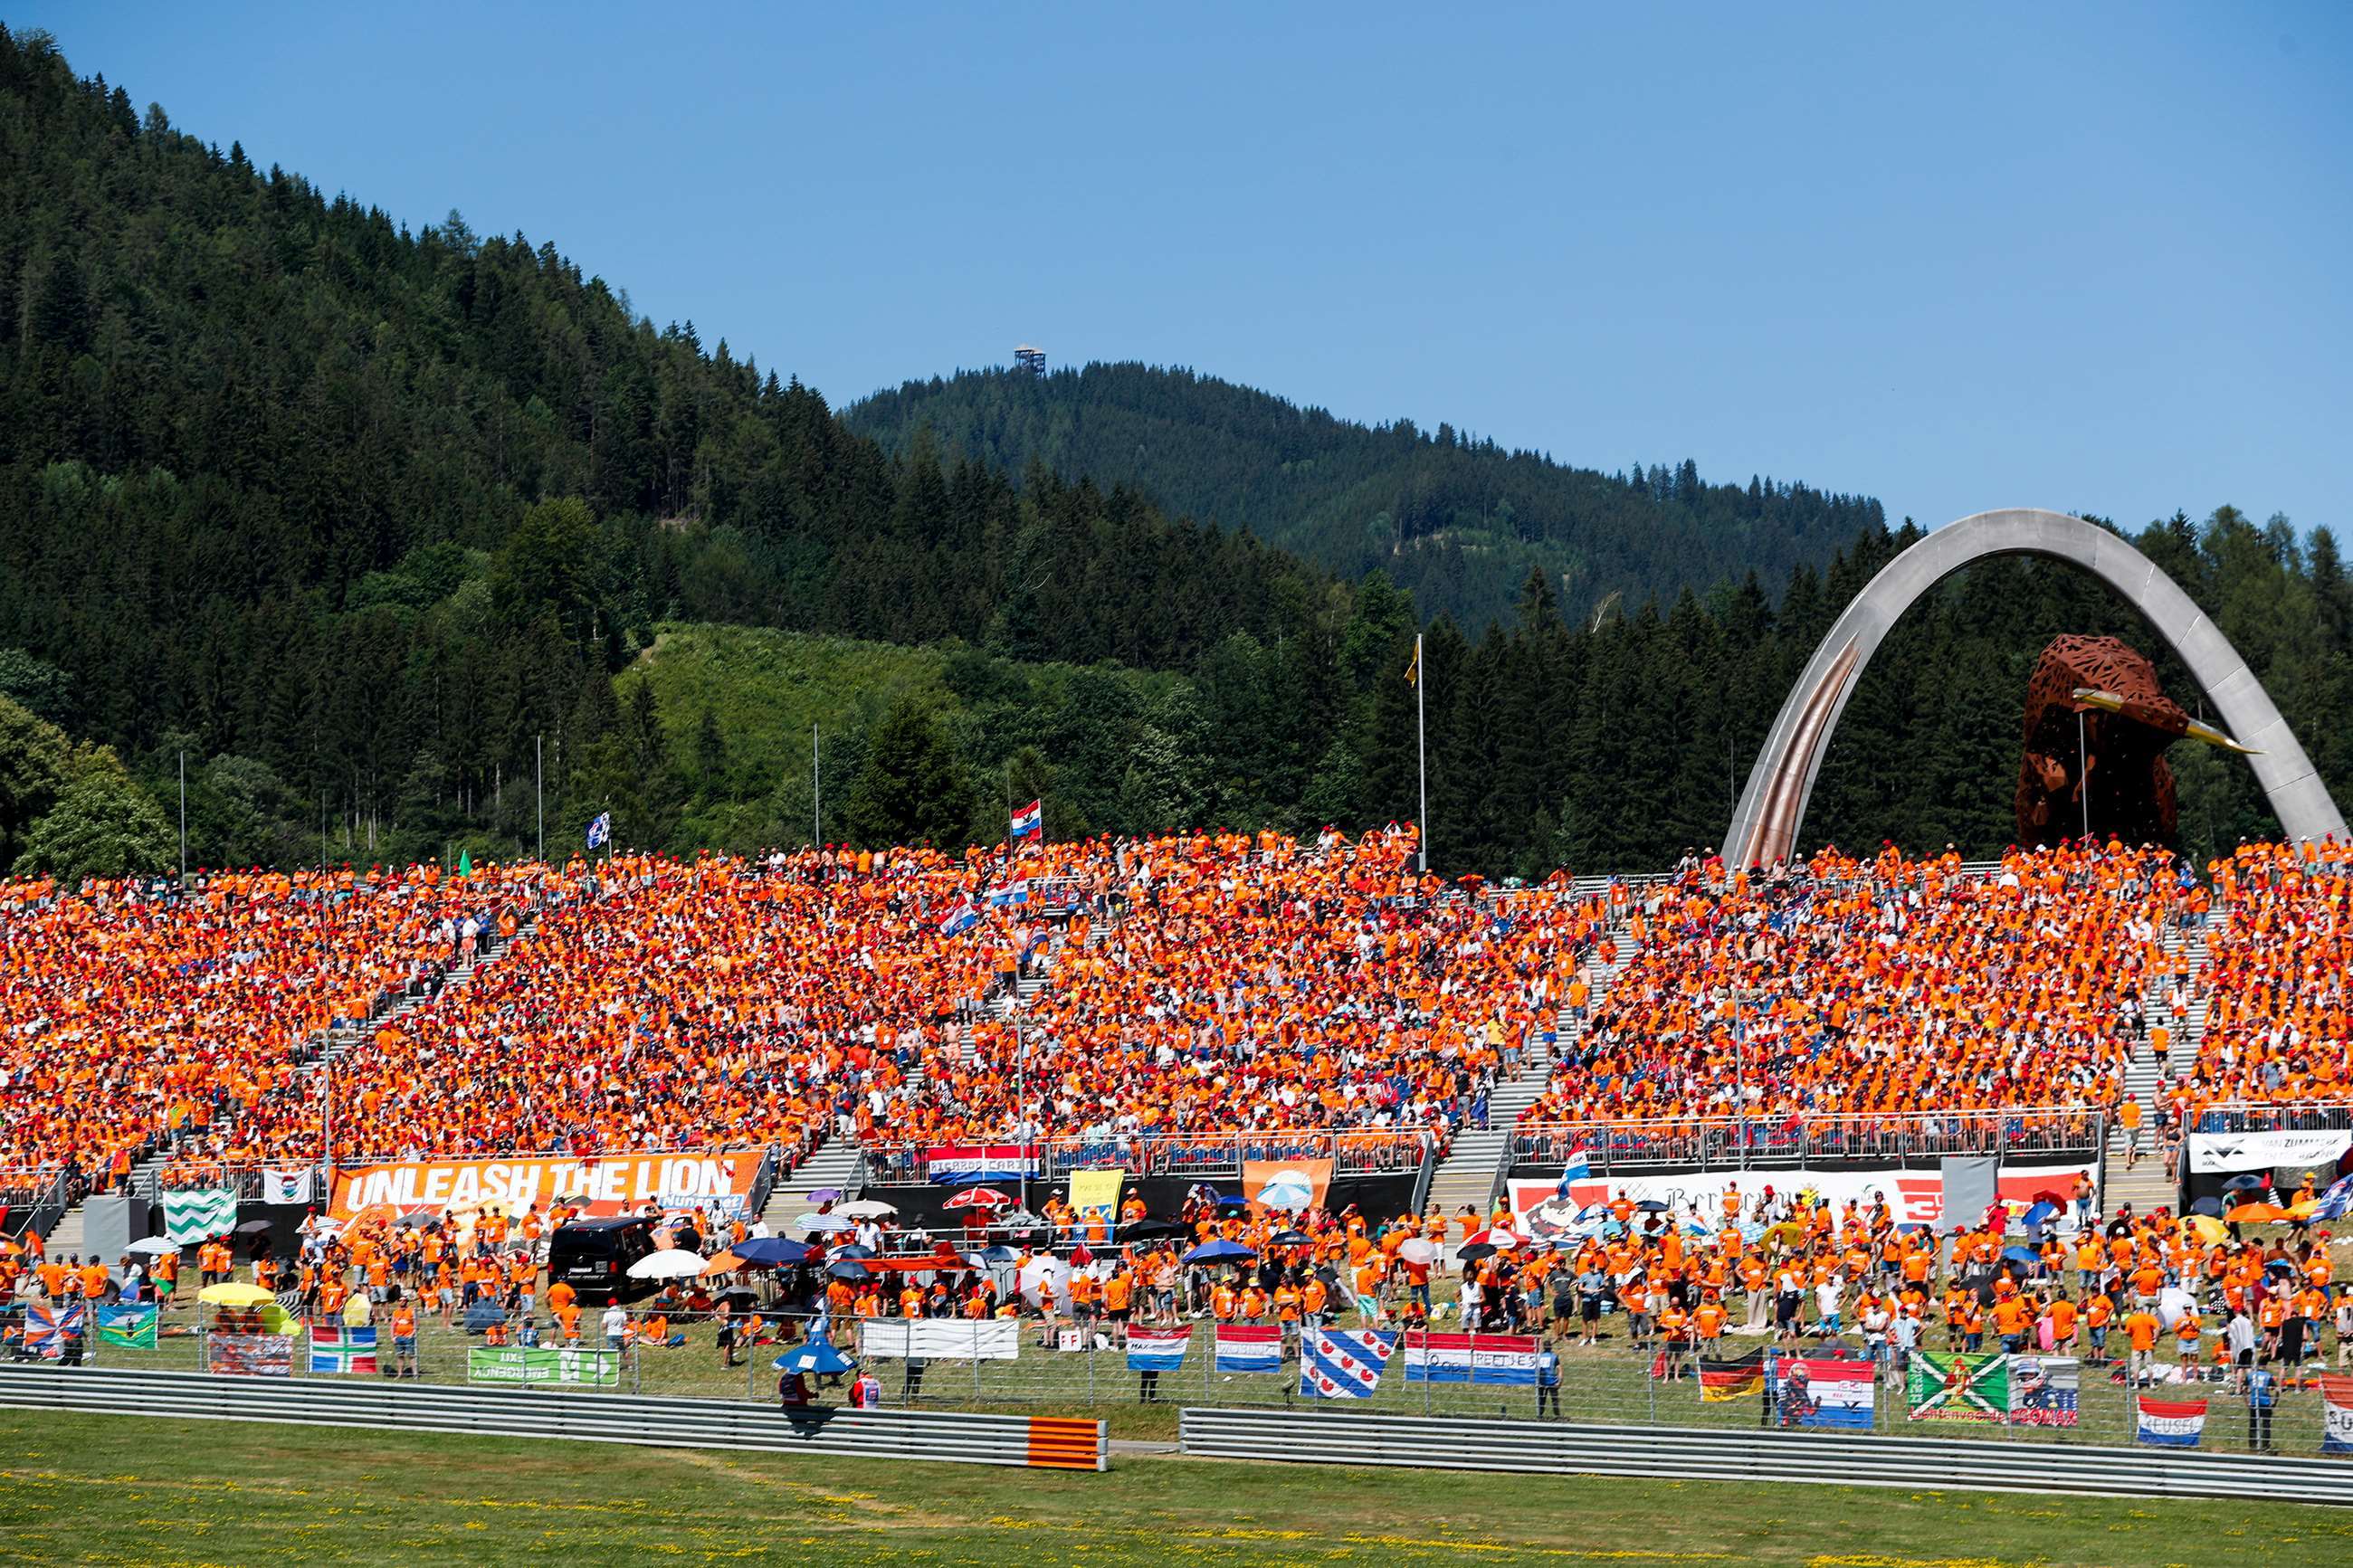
(1413, 670)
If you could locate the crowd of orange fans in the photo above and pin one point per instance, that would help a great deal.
(1199, 983)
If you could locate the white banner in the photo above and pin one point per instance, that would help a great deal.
(941, 1339)
(2213, 1152)
(287, 1186)
(199, 1213)
(1913, 1196)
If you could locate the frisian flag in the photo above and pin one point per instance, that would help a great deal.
(1344, 1364)
(1248, 1347)
(1735, 1379)
(335, 1348)
(1156, 1350)
(48, 1330)
(1471, 1358)
(1029, 822)
(962, 918)
(2171, 1422)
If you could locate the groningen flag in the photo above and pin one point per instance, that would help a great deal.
(338, 1347)
(1971, 1386)
(199, 1213)
(130, 1327)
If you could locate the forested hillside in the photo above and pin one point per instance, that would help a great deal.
(368, 521)
(1455, 521)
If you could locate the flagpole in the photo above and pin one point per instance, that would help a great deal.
(1421, 740)
(539, 789)
(817, 796)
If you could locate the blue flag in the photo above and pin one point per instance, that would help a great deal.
(600, 830)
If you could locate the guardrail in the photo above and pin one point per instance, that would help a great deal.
(1342, 1437)
(1201, 1155)
(953, 1438)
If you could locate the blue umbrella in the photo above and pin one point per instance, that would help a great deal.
(2211, 1208)
(1218, 1252)
(770, 1249)
(1233, 1202)
(2022, 1255)
(817, 1356)
(2246, 1184)
(2038, 1214)
(849, 1268)
(854, 1250)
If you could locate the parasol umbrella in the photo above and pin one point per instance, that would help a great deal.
(2246, 1183)
(1420, 1249)
(671, 1263)
(2047, 1197)
(2173, 1303)
(724, 1262)
(2039, 1213)
(234, 1295)
(980, 1198)
(2026, 1254)
(770, 1250)
(1476, 1251)
(254, 1227)
(1651, 1206)
(1290, 1191)
(854, 1250)
(1218, 1252)
(2305, 1210)
(2255, 1214)
(1045, 1283)
(813, 1356)
(1234, 1202)
(150, 1245)
(1019, 1219)
(2205, 1228)
(739, 1293)
(867, 1208)
(1145, 1229)
(1291, 1239)
(2212, 1207)
(847, 1269)
(822, 1225)
(992, 1256)
(1499, 1240)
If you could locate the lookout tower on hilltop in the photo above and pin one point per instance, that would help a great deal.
(1032, 360)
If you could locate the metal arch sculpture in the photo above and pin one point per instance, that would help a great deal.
(1773, 807)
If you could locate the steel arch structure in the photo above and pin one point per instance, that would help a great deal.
(1773, 807)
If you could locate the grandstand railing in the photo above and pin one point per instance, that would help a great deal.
(1187, 1155)
(2256, 1116)
(1767, 1143)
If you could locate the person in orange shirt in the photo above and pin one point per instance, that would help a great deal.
(403, 1340)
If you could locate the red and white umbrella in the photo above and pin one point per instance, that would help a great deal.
(1501, 1240)
(980, 1198)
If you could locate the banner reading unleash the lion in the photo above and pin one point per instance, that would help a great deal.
(595, 1187)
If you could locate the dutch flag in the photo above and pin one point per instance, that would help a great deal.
(1578, 1168)
(1011, 893)
(962, 918)
(2172, 1423)
(1029, 822)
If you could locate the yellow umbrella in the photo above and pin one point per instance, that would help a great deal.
(2207, 1231)
(2303, 1210)
(234, 1295)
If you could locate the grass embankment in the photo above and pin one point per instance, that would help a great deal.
(90, 1489)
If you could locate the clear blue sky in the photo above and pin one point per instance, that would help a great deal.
(2087, 257)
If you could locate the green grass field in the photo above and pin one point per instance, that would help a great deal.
(88, 1489)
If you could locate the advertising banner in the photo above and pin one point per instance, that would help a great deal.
(2044, 1391)
(250, 1355)
(1290, 1185)
(2212, 1154)
(941, 1339)
(1695, 1197)
(517, 1363)
(598, 1187)
(1096, 1192)
(1009, 1162)
(1959, 1386)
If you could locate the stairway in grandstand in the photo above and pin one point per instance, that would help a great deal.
(1474, 1164)
(2150, 1183)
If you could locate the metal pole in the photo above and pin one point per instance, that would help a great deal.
(1421, 746)
(817, 796)
(2083, 773)
(539, 788)
(184, 818)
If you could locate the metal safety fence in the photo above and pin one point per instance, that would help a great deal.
(1746, 1457)
(1782, 1141)
(953, 1436)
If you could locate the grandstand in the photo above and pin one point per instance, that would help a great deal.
(1158, 1003)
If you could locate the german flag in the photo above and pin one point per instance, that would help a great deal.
(1737, 1379)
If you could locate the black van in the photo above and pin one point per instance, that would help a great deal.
(592, 1256)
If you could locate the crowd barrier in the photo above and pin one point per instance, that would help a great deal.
(1667, 1454)
(949, 1436)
